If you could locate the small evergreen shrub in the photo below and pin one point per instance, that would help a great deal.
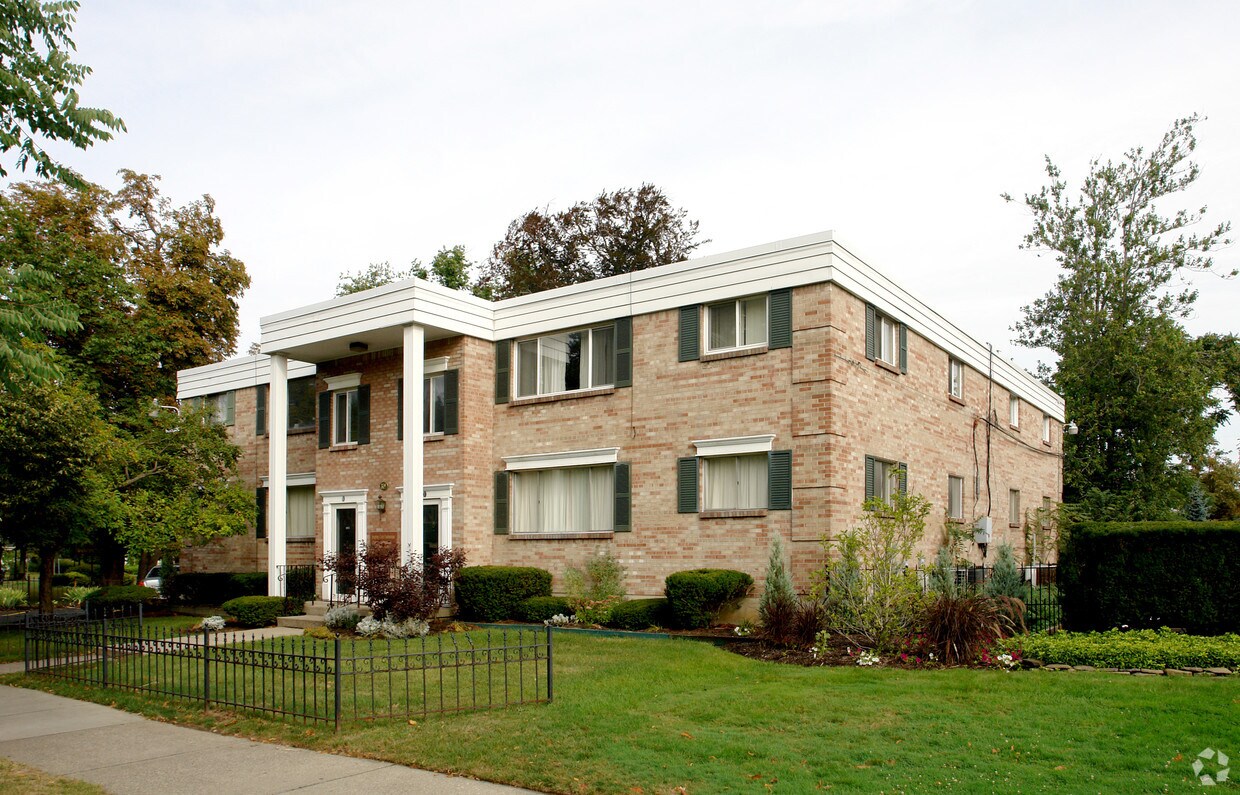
(943, 573)
(777, 610)
(639, 614)
(1005, 579)
(538, 609)
(696, 597)
(492, 593)
(255, 611)
(343, 617)
(1136, 649)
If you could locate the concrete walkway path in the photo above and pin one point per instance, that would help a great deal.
(126, 753)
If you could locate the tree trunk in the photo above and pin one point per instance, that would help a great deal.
(47, 566)
(111, 560)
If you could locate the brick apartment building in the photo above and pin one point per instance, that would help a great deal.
(678, 417)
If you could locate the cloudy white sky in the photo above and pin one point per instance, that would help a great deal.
(337, 134)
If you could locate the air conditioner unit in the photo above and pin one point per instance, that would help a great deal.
(981, 531)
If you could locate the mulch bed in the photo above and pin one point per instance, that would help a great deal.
(840, 651)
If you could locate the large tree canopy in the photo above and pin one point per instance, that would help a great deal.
(615, 233)
(1136, 384)
(38, 87)
(449, 267)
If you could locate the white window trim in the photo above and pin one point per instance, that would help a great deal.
(1014, 411)
(435, 366)
(955, 386)
(299, 479)
(739, 445)
(879, 320)
(346, 381)
(567, 458)
(338, 421)
(429, 405)
(1014, 493)
(959, 516)
(1046, 428)
(736, 303)
(587, 364)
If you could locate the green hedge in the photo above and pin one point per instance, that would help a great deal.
(255, 611)
(114, 596)
(639, 614)
(1137, 649)
(1151, 574)
(492, 593)
(538, 609)
(214, 588)
(696, 597)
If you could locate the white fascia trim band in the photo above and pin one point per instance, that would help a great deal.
(300, 479)
(569, 458)
(346, 381)
(436, 491)
(438, 365)
(344, 496)
(740, 445)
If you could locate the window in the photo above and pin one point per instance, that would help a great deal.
(1014, 507)
(955, 378)
(955, 497)
(433, 409)
(1046, 428)
(301, 403)
(884, 479)
(1048, 508)
(583, 359)
(734, 482)
(568, 500)
(300, 512)
(1014, 411)
(345, 420)
(886, 339)
(221, 407)
(736, 324)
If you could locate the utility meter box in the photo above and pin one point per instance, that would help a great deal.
(981, 531)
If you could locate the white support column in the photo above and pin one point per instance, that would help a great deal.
(411, 458)
(277, 473)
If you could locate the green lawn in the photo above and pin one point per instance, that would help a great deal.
(655, 715)
(11, 640)
(30, 781)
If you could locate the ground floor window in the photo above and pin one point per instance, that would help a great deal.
(568, 500)
(734, 482)
(300, 512)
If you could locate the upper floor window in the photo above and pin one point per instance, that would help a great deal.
(222, 406)
(884, 479)
(301, 403)
(1014, 411)
(1046, 428)
(344, 411)
(433, 409)
(886, 339)
(346, 419)
(955, 378)
(736, 324)
(582, 359)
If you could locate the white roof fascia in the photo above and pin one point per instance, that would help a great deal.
(239, 373)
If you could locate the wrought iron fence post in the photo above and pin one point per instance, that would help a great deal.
(26, 641)
(338, 683)
(139, 615)
(103, 647)
(549, 679)
(206, 669)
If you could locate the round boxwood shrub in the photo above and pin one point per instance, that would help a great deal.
(123, 595)
(697, 596)
(538, 609)
(255, 611)
(639, 614)
(492, 593)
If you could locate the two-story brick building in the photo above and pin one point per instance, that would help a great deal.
(677, 416)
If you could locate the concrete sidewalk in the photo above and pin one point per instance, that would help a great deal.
(126, 753)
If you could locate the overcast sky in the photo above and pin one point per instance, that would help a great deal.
(337, 134)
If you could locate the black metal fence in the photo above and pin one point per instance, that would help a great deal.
(1040, 591)
(303, 678)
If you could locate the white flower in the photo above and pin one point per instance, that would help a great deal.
(368, 626)
(213, 623)
(560, 620)
(868, 658)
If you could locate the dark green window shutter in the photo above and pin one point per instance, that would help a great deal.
(779, 480)
(781, 319)
(260, 516)
(690, 344)
(451, 402)
(260, 410)
(363, 414)
(624, 351)
(400, 409)
(686, 485)
(624, 499)
(871, 476)
(501, 503)
(903, 348)
(325, 419)
(902, 468)
(230, 407)
(503, 363)
(871, 333)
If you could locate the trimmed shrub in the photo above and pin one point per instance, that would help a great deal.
(214, 588)
(1138, 649)
(696, 597)
(1151, 574)
(492, 593)
(538, 609)
(255, 611)
(640, 614)
(122, 596)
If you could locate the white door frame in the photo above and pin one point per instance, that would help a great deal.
(441, 494)
(343, 498)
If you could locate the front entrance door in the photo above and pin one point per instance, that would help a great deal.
(346, 545)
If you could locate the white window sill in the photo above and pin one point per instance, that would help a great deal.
(733, 513)
(432, 437)
(732, 353)
(560, 536)
(339, 448)
(888, 366)
(552, 398)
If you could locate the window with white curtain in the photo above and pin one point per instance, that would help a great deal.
(433, 403)
(300, 512)
(734, 482)
(955, 497)
(567, 500)
(955, 378)
(582, 359)
(736, 324)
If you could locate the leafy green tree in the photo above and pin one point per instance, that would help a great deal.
(615, 233)
(38, 87)
(449, 267)
(376, 274)
(1135, 383)
(1221, 480)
